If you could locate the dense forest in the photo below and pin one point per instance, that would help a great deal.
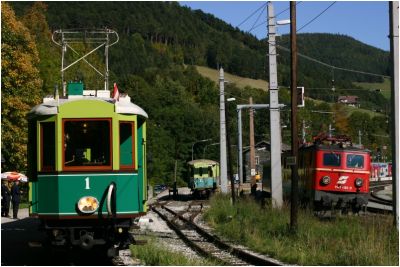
(154, 62)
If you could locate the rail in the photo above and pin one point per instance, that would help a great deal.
(242, 256)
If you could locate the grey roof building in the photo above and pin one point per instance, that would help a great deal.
(262, 159)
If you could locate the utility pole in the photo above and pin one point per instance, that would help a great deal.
(175, 187)
(295, 144)
(63, 50)
(359, 137)
(303, 132)
(228, 142)
(395, 96)
(240, 147)
(275, 122)
(330, 130)
(253, 184)
(222, 137)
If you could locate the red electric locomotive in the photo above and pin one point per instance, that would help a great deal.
(334, 174)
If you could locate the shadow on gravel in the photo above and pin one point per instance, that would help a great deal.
(23, 244)
(177, 198)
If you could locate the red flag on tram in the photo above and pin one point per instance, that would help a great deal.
(116, 92)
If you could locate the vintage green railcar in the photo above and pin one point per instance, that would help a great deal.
(87, 167)
(87, 161)
(203, 176)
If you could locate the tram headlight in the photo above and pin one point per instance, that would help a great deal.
(88, 204)
(326, 180)
(359, 182)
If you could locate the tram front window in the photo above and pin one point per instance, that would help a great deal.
(87, 143)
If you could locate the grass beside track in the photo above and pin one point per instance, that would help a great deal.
(346, 240)
(154, 254)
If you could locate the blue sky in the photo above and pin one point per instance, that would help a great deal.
(366, 21)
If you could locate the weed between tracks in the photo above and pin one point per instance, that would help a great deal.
(346, 240)
(153, 253)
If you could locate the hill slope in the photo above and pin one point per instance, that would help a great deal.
(241, 82)
(149, 61)
(197, 38)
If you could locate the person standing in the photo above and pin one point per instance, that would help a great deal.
(15, 194)
(5, 198)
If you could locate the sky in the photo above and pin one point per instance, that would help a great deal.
(366, 21)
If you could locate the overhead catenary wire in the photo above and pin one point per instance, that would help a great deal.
(252, 14)
(283, 11)
(308, 57)
(331, 66)
(258, 18)
(348, 89)
(305, 25)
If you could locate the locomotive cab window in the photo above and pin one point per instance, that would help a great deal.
(354, 161)
(331, 159)
(87, 144)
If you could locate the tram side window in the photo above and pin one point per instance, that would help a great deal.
(87, 143)
(210, 171)
(48, 148)
(192, 171)
(354, 161)
(126, 144)
(331, 159)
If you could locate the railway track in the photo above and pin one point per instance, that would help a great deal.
(376, 186)
(376, 203)
(206, 244)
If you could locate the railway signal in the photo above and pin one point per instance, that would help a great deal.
(300, 97)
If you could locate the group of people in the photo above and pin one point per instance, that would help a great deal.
(10, 193)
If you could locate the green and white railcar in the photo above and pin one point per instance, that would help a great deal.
(87, 167)
(203, 176)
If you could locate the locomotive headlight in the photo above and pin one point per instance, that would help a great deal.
(358, 182)
(88, 204)
(325, 180)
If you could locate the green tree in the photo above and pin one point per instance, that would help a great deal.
(50, 59)
(341, 120)
(20, 87)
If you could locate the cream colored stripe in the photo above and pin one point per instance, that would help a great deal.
(341, 170)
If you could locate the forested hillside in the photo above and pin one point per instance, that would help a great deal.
(197, 38)
(154, 61)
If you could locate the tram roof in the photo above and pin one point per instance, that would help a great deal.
(50, 106)
(204, 161)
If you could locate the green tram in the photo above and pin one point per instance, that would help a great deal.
(87, 167)
(203, 176)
